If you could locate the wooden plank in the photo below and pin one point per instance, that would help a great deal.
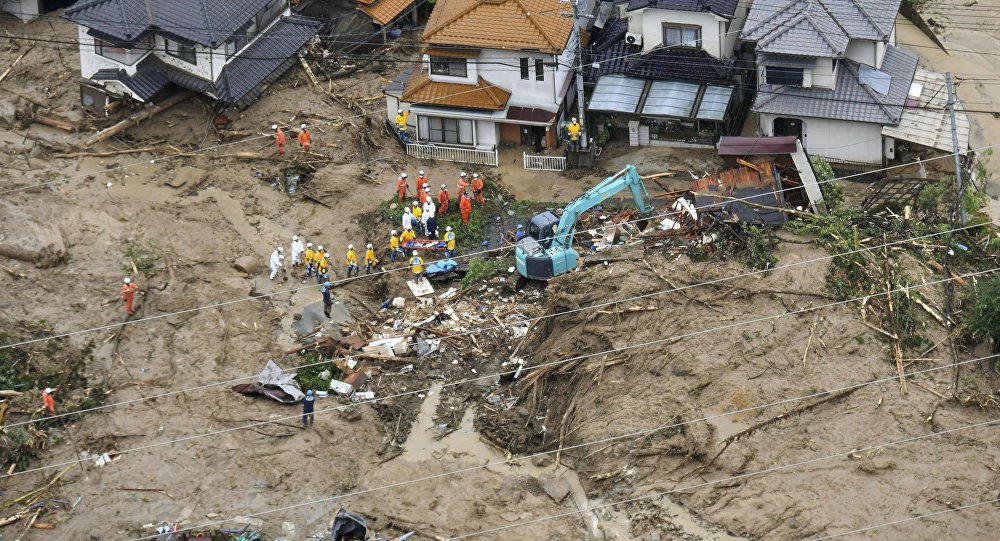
(137, 118)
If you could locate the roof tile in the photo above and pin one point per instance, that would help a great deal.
(500, 24)
(484, 95)
(385, 11)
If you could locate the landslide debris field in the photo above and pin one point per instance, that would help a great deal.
(629, 362)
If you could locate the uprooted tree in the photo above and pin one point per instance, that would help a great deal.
(984, 320)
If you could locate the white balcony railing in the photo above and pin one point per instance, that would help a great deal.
(453, 154)
(534, 162)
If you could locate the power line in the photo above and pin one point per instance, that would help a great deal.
(909, 519)
(528, 320)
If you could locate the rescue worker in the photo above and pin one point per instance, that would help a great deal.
(519, 234)
(323, 268)
(370, 259)
(310, 256)
(401, 186)
(279, 138)
(443, 198)
(574, 134)
(277, 258)
(429, 218)
(297, 251)
(421, 180)
(128, 294)
(394, 249)
(407, 218)
(449, 240)
(49, 402)
(352, 261)
(417, 213)
(308, 404)
(327, 298)
(407, 236)
(462, 183)
(402, 118)
(465, 207)
(477, 189)
(423, 194)
(305, 138)
(416, 265)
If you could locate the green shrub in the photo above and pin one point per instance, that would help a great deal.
(481, 269)
(984, 320)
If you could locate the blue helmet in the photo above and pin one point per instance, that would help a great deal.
(309, 392)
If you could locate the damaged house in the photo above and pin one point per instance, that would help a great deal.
(229, 51)
(665, 70)
(830, 74)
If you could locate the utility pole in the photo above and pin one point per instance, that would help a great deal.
(954, 143)
(579, 72)
(958, 214)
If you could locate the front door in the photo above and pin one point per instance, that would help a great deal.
(788, 126)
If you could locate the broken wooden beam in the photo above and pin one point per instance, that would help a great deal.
(14, 64)
(136, 118)
(55, 121)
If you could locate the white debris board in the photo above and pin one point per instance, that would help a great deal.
(420, 287)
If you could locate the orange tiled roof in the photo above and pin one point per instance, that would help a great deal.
(384, 11)
(500, 24)
(484, 95)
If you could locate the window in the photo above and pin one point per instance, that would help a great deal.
(121, 54)
(774, 75)
(181, 50)
(524, 69)
(230, 48)
(681, 36)
(452, 67)
(445, 130)
(539, 70)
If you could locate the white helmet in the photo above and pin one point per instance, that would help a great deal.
(127, 280)
(448, 228)
(409, 228)
(444, 186)
(475, 175)
(406, 210)
(295, 237)
(574, 120)
(303, 126)
(48, 390)
(425, 185)
(462, 174)
(280, 249)
(326, 254)
(414, 252)
(393, 231)
(369, 246)
(422, 173)
(402, 175)
(400, 111)
(274, 126)
(350, 246)
(309, 245)
(415, 203)
(320, 248)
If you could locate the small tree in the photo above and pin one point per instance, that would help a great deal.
(833, 191)
(984, 322)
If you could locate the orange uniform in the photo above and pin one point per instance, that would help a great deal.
(305, 139)
(443, 198)
(49, 402)
(401, 188)
(279, 140)
(465, 207)
(422, 195)
(461, 185)
(128, 293)
(421, 180)
(477, 190)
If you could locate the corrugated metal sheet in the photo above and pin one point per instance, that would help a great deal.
(617, 94)
(671, 98)
(925, 119)
(714, 102)
(747, 146)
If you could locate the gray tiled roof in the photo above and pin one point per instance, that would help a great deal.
(207, 22)
(785, 61)
(817, 27)
(147, 81)
(724, 8)
(851, 100)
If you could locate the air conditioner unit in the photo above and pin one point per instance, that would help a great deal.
(633, 39)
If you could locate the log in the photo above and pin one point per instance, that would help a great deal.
(14, 64)
(135, 119)
(309, 71)
(55, 122)
(105, 154)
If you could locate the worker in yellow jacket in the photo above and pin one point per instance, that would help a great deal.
(416, 265)
(394, 248)
(407, 235)
(309, 260)
(370, 259)
(449, 246)
(574, 129)
(323, 267)
(351, 260)
(417, 211)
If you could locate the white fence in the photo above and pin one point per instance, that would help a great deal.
(544, 163)
(452, 154)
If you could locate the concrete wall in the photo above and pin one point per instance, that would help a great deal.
(839, 139)
(487, 134)
(503, 68)
(649, 23)
(25, 10)
(863, 51)
(823, 73)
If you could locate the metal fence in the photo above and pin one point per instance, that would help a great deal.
(534, 162)
(453, 154)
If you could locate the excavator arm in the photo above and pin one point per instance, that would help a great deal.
(548, 251)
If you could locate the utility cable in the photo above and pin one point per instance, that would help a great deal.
(909, 519)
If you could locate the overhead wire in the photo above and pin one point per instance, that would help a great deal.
(897, 522)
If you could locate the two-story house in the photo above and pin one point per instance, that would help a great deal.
(665, 70)
(492, 72)
(829, 73)
(227, 50)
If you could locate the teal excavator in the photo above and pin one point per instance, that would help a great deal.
(547, 250)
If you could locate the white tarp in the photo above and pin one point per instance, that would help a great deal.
(284, 380)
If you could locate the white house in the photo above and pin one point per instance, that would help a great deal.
(227, 50)
(665, 69)
(492, 72)
(27, 10)
(829, 72)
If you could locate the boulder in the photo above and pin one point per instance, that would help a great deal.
(557, 488)
(21, 237)
(248, 264)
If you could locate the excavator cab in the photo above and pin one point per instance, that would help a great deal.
(542, 227)
(533, 260)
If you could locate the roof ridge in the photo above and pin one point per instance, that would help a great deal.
(531, 18)
(869, 18)
(428, 33)
(779, 11)
(822, 33)
(826, 10)
(773, 35)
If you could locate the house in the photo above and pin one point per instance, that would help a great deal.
(492, 72)
(229, 51)
(666, 70)
(27, 10)
(829, 73)
(386, 13)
